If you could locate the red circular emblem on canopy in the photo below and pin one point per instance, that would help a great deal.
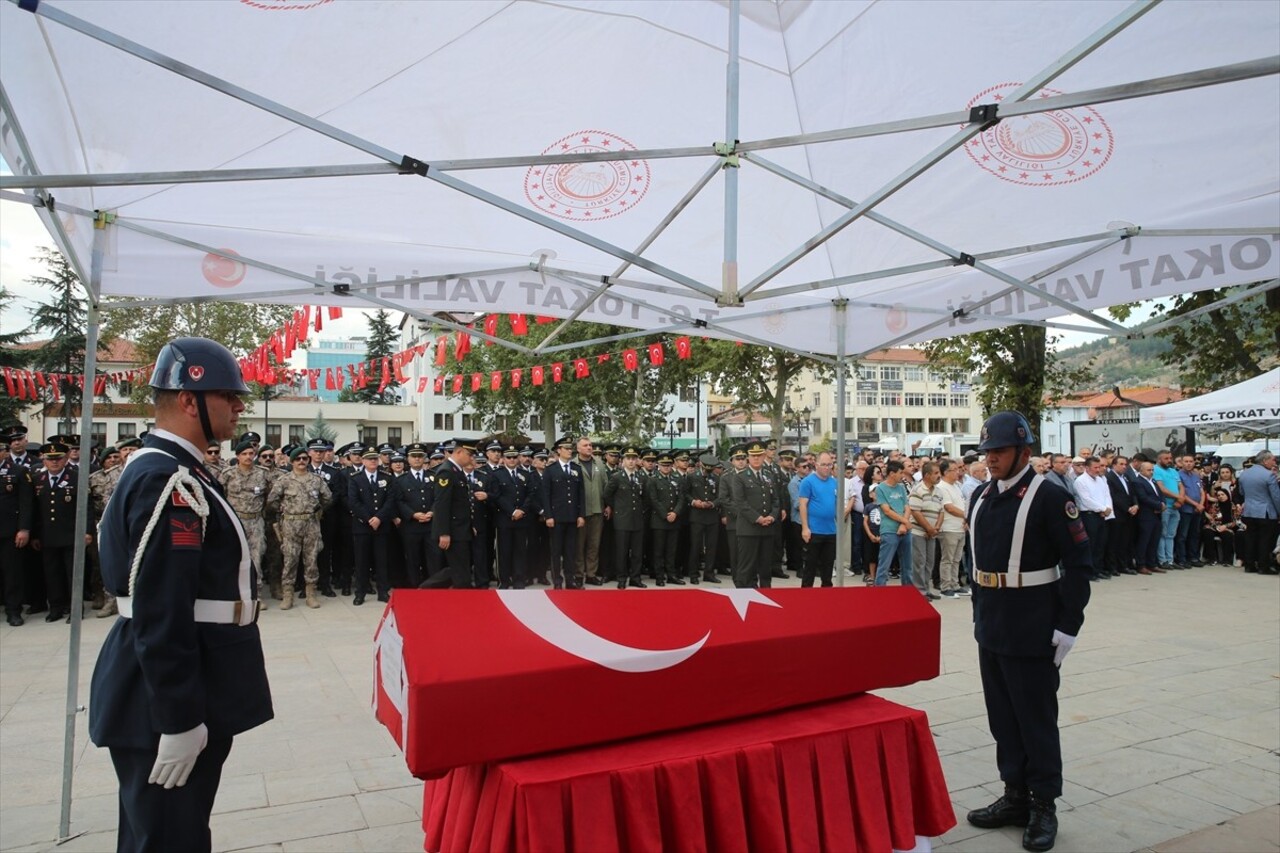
(583, 192)
(1046, 149)
(223, 272)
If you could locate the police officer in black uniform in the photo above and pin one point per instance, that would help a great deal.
(371, 499)
(452, 519)
(517, 506)
(415, 495)
(563, 511)
(55, 533)
(318, 448)
(1031, 569)
(17, 516)
(181, 671)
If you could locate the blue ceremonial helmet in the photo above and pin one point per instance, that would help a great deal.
(197, 364)
(1006, 429)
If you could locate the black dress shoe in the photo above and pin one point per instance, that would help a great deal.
(16, 620)
(622, 584)
(33, 609)
(1128, 571)
(557, 585)
(660, 582)
(328, 592)
(1042, 826)
(710, 579)
(694, 580)
(359, 599)
(346, 590)
(778, 573)
(671, 579)
(594, 581)
(54, 615)
(638, 585)
(1012, 809)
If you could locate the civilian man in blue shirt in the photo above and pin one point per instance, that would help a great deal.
(817, 505)
(1170, 488)
(1186, 542)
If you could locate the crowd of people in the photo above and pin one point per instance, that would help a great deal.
(323, 521)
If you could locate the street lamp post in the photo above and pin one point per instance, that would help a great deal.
(671, 432)
(799, 421)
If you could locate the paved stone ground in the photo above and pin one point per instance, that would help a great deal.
(1170, 713)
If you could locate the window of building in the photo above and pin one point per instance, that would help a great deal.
(272, 435)
(915, 424)
(125, 389)
(470, 422)
(126, 430)
(890, 424)
(960, 401)
(867, 398)
(817, 400)
(937, 399)
(915, 374)
(393, 435)
(867, 372)
(834, 425)
(937, 424)
(535, 420)
(604, 423)
(935, 376)
(914, 399)
(867, 424)
(960, 425)
(500, 423)
(98, 431)
(297, 433)
(369, 438)
(891, 399)
(688, 393)
(888, 372)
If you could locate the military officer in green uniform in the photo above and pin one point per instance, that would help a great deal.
(625, 499)
(702, 491)
(724, 497)
(757, 504)
(300, 498)
(663, 494)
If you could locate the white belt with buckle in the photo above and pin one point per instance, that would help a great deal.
(1001, 580)
(207, 610)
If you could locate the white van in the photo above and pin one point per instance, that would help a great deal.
(1234, 453)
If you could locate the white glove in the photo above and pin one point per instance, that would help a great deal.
(1062, 643)
(177, 756)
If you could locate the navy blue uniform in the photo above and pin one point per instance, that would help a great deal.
(513, 491)
(1014, 626)
(564, 502)
(55, 521)
(17, 512)
(452, 516)
(161, 671)
(368, 500)
(415, 494)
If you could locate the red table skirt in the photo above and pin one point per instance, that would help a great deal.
(854, 774)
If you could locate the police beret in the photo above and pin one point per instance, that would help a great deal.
(130, 442)
(252, 437)
(243, 445)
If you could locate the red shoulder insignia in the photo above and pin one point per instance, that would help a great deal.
(179, 500)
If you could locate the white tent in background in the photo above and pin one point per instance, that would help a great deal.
(1251, 405)
(829, 178)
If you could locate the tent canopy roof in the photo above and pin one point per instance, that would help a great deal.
(1108, 200)
(1252, 405)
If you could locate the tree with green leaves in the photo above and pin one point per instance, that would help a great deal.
(1221, 346)
(321, 428)
(382, 344)
(1018, 370)
(12, 357)
(63, 320)
(634, 400)
(759, 378)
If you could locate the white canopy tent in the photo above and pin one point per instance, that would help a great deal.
(782, 172)
(1252, 405)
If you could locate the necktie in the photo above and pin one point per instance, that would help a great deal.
(373, 480)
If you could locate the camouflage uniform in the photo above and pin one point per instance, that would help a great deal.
(247, 494)
(300, 501)
(101, 484)
(271, 542)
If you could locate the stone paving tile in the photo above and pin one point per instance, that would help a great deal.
(1124, 769)
(392, 806)
(277, 824)
(1256, 832)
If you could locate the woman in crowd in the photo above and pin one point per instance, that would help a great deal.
(871, 525)
(1218, 535)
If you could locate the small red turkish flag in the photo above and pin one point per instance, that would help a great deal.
(457, 383)
(543, 319)
(495, 380)
(557, 371)
(422, 384)
(442, 350)
(328, 377)
(630, 359)
(477, 381)
(490, 326)
(537, 374)
(397, 366)
(313, 377)
(335, 313)
(519, 324)
(602, 358)
(385, 379)
(515, 377)
(463, 346)
(683, 348)
(580, 369)
(656, 353)
(438, 385)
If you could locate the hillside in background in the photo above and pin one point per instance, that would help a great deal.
(1126, 363)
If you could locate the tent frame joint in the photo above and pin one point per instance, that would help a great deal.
(966, 259)
(412, 166)
(101, 218)
(728, 151)
(986, 115)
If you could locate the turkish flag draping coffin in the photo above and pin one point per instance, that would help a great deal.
(464, 677)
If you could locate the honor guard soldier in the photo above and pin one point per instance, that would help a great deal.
(702, 490)
(563, 503)
(624, 496)
(181, 672)
(452, 518)
(299, 499)
(17, 516)
(321, 452)
(517, 506)
(371, 499)
(756, 503)
(415, 495)
(1031, 569)
(55, 532)
(663, 494)
(247, 486)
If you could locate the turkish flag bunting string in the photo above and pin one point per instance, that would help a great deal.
(519, 325)
(656, 354)
(630, 359)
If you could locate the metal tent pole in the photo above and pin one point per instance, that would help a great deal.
(842, 527)
(729, 269)
(82, 521)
